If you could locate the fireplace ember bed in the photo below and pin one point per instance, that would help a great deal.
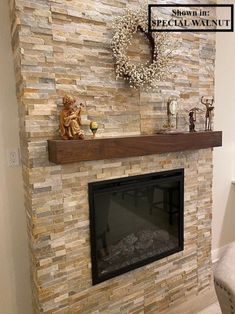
(135, 221)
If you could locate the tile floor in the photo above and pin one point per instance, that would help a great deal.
(212, 309)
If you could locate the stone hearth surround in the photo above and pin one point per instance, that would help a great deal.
(64, 46)
(61, 262)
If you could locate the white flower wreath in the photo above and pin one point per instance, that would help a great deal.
(142, 75)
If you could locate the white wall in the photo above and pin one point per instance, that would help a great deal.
(224, 158)
(14, 271)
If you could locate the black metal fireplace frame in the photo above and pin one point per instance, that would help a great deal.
(123, 184)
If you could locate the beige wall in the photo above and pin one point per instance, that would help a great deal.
(14, 275)
(224, 159)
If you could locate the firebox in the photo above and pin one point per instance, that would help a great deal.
(135, 221)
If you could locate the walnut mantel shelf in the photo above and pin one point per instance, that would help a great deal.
(62, 152)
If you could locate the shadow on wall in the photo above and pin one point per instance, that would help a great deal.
(228, 230)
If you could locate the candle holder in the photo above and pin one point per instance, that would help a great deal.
(94, 127)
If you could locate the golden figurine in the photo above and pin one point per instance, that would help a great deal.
(93, 127)
(70, 119)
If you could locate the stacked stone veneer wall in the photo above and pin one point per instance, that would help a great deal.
(64, 46)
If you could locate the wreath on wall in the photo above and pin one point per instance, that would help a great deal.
(146, 75)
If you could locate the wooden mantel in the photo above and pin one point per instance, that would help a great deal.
(63, 152)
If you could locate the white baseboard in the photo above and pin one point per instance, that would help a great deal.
(217, 253)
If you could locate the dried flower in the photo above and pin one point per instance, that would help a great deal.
(140, 76)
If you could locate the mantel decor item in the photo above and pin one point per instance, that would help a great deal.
(94, 127)
(141, 75)
(171, 125)
(193, 118)
(208, 102)
(70, 119)
(172, 113)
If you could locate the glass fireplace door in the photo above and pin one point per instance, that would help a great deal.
(135, 221)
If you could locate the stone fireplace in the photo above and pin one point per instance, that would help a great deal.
(64, 47)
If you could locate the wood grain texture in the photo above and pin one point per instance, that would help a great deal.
(62, 152)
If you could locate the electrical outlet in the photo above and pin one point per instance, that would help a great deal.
(13, 157)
